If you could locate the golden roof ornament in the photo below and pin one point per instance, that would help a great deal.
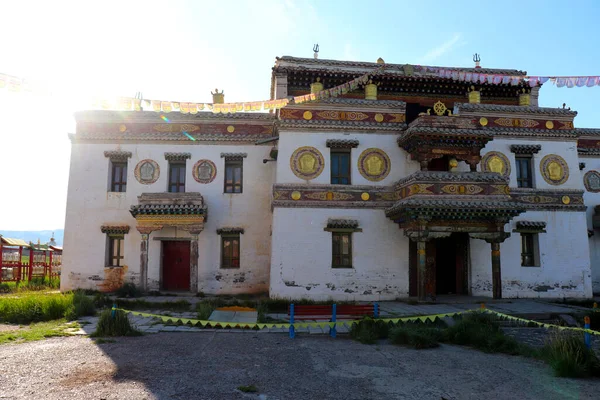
(218, 98)
(370, 91)
(380, 61)
(316, 87)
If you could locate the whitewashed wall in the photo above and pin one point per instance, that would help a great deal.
(401, 165)
(564, 269)
(591, 200)
(565, 149)
(301, 260)
(90, 205)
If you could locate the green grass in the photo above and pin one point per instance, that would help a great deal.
(248, 389)
(38, 307)
(568, 356)
(416, 335)
(38, 331)
(140, 304)
(117, 325)
(369, 330)
(35, 284)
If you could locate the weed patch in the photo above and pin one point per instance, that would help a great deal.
(118, 325)
(415, 335)
(38, 331)
(128, 290)
(369, 330)
(36, 307)
(568, 357)
(248, 389)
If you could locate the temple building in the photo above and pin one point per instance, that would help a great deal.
(411, 184)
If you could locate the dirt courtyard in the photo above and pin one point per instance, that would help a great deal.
(211, 365)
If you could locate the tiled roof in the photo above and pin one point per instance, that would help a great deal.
(358, 125)
(13, 242)
(588, 131)
(316, 63)
(525, 148)
(526, 132)
(341, 143)
(115, 229)
(117, 155)
(588, 152)
(234, 156)
(342, 223)
(167, 209)
(448, 208)
(360, 102)
(168, 136)
(151, 116)
(514, 109)
(442, 130)
(531, 225)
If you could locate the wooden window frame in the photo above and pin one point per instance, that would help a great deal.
(524, 182)
(230, 237)
(233, 164)
(122, 183)
(178, 184)
(120, 242)
(338, 152)
(339, 263)
(529, 241)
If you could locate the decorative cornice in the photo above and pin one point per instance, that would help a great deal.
(443, 176)
(234, 156)
(230, 230)
(167, 209)
(534, 133)
(342, 125)
(530, 227)
(588, 152)
(117, 155)
(525, 148)
(342, 143)
(176, 138)
(151, 116)
(177, 156)
(588, 132)
(360, 102)
(115, 229)
(513, 109)
(342, 225)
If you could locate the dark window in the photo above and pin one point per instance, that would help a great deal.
(340, 167)
(230, 251)
(176, 177)
(118, 177)
(528, 250)
(233, 176)
(342, 250)
(524, 172)
(115, 251)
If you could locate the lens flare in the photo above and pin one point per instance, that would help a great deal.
(189, 136)
(165, 118)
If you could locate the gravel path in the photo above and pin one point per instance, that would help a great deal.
(211, 365)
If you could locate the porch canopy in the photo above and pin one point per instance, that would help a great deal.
(435, 204)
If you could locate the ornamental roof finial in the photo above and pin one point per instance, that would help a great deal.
(380, 61)
(316, 50)
(477, 59)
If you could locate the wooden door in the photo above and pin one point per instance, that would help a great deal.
(176, 265)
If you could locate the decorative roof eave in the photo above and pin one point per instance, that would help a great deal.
(525, 148)
(344, 125)
(452, 209)
(117, 155)
(477, 108)
(462, 177)
(342, 225)
(350, 105)
(530, 227)
(199, 139)
(290, 62)
(447, 131)
(234, 156)
(588, 132)
(115, 229)
(534, 133)
(151, 116)
(230, 230)
(342, 143)
(177, 156)
(167, 209)
(588, 151)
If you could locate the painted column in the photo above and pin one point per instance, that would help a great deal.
(496, 273)
(144, 261)
(421, 270)
(194, 264)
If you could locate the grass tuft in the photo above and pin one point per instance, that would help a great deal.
(417, 336)
(369, 330)
(38, 331)
(248, 389)
(118, 325)
(37, 307)
(570, 358)
(128, 290)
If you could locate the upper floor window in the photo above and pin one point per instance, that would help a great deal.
(233, 176)
(176, 177)
(118, 180)
(340, 167)
(524, 171)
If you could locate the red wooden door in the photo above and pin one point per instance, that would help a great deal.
(176, 265)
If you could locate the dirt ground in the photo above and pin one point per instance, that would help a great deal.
(213, 365)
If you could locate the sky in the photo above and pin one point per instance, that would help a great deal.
(181, 50)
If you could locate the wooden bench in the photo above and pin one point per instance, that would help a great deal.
(332, 312)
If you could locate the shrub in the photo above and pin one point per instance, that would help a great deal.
(569, 357)
(128, 290)
(369, 330)
(82, 306)
(205, 309)
(114, 326)
(419, 337)
(34, 307)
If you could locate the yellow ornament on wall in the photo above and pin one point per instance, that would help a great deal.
(296, 195)
(365, 196)
(307, 115)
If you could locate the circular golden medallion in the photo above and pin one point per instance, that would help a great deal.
(122, 128)
(483, 121)
(379, 117)
(296, 195)
(554, 169)
(307, 163)
(374, 164)
(230, 128)
(495, 161)
(307, 115)
(566, 199)
(549, 124)
(365, 196)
